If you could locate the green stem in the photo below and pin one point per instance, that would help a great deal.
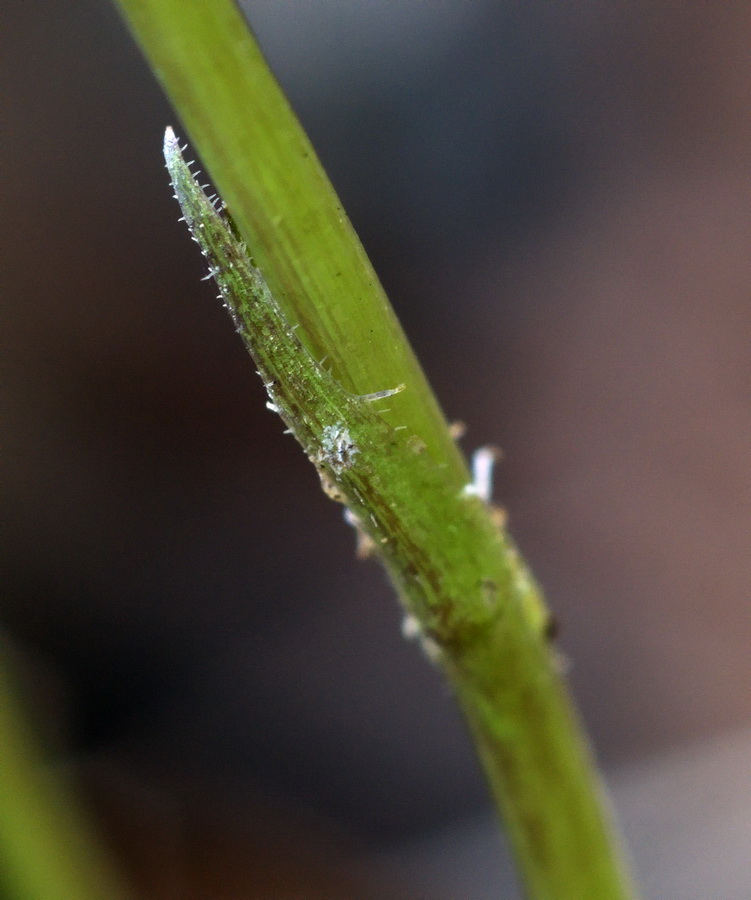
(47, 849)
(376, 435)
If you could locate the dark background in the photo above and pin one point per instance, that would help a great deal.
(556, 196)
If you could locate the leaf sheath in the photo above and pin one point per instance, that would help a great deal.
(469, 596)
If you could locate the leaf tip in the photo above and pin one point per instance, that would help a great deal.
(171, 146)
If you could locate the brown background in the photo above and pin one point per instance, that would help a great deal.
(557, 198)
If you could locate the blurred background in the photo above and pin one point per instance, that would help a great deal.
(557, 198)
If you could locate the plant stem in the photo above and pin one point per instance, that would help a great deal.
(390, 458)
(47, 849)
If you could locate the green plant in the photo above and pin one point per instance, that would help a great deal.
(466, 590)
(48, 850)
(372, 427)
